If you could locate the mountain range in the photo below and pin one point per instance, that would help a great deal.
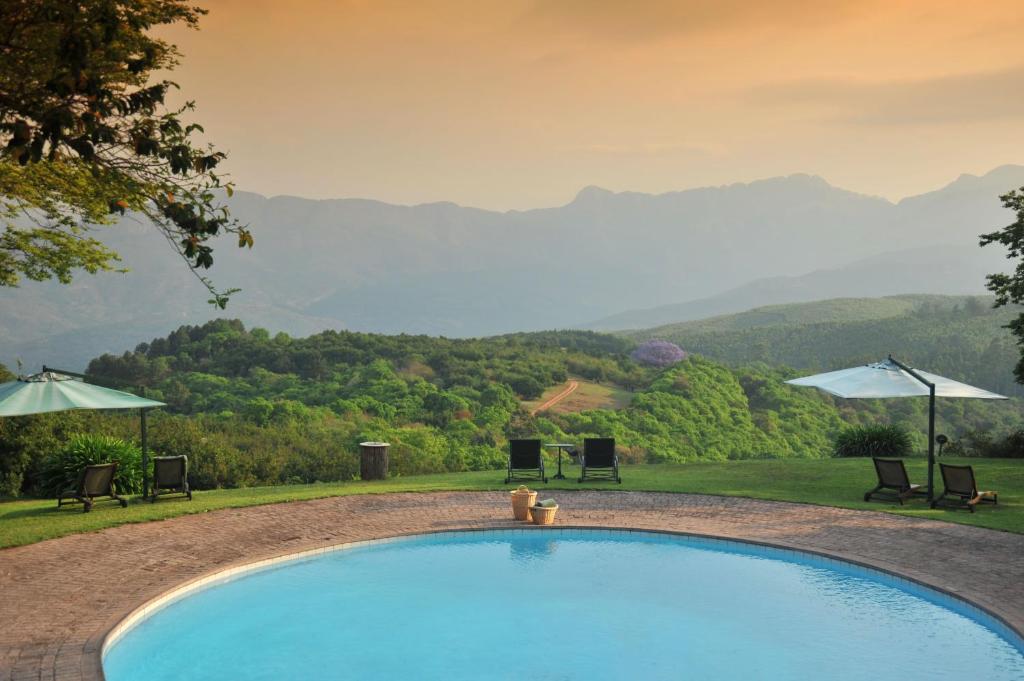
(444, 269)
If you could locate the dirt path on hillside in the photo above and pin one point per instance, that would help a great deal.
(569, 390)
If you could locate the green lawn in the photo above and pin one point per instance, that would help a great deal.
(835, 482)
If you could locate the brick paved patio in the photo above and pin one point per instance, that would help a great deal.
(59, 598)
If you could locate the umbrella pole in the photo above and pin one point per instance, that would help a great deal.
(145, 456)
(931, 421)
(931, 441)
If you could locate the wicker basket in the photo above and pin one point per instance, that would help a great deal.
(522, 500)
(543, 515)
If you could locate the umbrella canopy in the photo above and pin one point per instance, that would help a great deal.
(891, 378)
(887, 379)
(50, 391)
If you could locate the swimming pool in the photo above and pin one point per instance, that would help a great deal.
(563, 604)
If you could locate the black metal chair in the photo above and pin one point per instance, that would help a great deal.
(960, 484)
(95, 481)
(599, 460)
(525, 461)
(170, 474)
(892, 475)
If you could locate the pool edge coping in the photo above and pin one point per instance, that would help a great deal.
(99, 644)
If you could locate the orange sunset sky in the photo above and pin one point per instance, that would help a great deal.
(520, 103)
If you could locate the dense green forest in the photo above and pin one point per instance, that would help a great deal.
(252, 408)
(961, 337)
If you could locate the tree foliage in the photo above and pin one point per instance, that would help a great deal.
(249, 408)
(1009, 288)
(86, 135)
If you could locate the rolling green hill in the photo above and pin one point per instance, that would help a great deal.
(250, 408)
(962, 337)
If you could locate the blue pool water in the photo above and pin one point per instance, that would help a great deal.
(560, 604)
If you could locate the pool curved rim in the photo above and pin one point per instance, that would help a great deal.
(230, 573)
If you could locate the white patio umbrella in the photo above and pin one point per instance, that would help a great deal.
(891, 378)
(51, 391)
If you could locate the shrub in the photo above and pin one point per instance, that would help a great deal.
(228, 454)
(888, 440)
(62, 469)
(16, 455)
(979, 443)
(632, 454)
(528, 387)
(658, 353)
(483, 458)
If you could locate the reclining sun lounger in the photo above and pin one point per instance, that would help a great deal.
(892, 475)
(525, 461)
(95, 481)
(170, 474)
(960, 484)
(599, 460)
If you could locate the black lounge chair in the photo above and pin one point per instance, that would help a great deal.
(960, 484)
(525, 461)
(170, 474)
(599, 460)
(95, 481)
(892, 475)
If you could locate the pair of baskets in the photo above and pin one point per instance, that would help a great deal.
(524, 507)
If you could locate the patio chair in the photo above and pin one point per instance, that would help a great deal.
(892, 476)
(960, 485)
(599, 460)
(95, 481)
(170, 474)
(525, 461)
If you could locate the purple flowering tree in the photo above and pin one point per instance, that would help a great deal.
(658, 353)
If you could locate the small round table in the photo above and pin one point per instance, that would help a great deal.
(561, 446)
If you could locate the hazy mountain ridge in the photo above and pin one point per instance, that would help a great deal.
(839, 310)
(938, 270)
(444, 269)
(828, 310)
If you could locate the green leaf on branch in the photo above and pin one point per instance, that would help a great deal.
(1009, 288)
(85, 134)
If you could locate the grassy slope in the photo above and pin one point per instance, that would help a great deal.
(588, 395)
(834, 482)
